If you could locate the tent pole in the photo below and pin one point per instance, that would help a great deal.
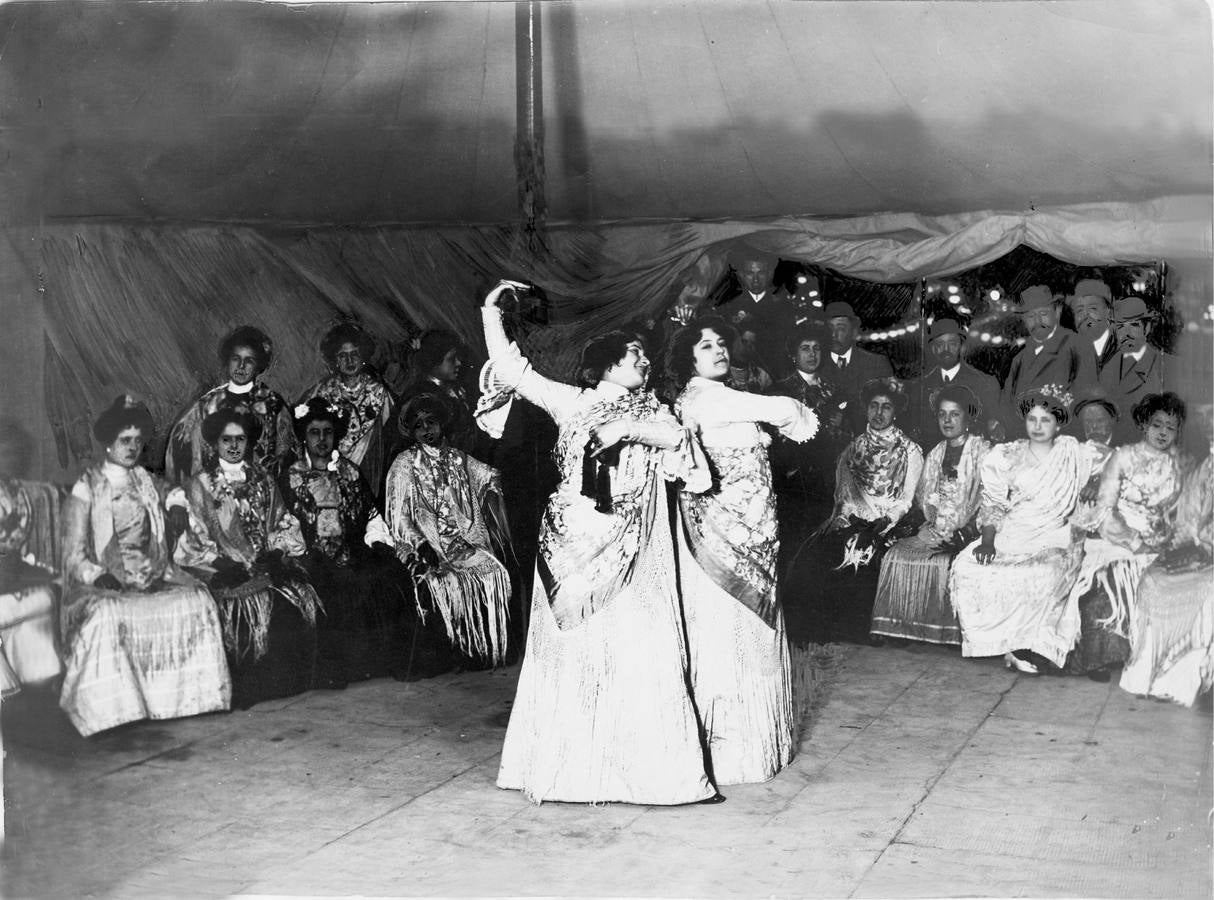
(529, 114)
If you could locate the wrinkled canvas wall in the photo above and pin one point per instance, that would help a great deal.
(92, 310)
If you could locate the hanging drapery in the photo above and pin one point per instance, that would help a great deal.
(141, 307)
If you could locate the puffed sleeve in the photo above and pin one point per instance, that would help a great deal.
(402, 532)
(906, 497)
(512, 371)
(682, 456)
(996, 486)
(77, 557)
(196, 547)
(790, 417)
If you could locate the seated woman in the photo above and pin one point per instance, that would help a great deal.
(1011, 587)
(362, 398)
(444, 513)
(1138, 490)
(141, 638)
(832, 578)
(245, 354)
(28, 598)
(737, 648)
(912, 593)
(370, 626)
(1172, 627)
(243, 537)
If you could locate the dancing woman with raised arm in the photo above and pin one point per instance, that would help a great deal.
(603, 711)
(740, 670)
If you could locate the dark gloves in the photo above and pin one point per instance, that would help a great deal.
(228, 573)
(380, 550)
(176, 521)
(107, 582)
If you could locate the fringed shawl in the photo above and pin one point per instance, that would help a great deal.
(877, 461)
(587, 557)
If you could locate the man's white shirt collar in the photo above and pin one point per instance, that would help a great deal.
(843, 357)
(234, 388)
(1137, 355)
(757, 297)
(1100, 342)
(950, 374)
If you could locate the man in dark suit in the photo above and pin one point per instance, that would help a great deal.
(1052, 354)
(759, 306)
(945, 340)
(1138, 368)
(849, 367)
(1091, 304)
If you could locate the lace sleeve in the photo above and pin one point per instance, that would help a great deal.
(996, 487)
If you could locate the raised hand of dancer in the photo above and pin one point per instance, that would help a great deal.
(495, 295)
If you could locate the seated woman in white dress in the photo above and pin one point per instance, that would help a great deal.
(443, 513)
(728, 545)
(603, 710)
(1011, 588)
(362, 397)
(141, 638)
(28, 598)
(1138, 491)
(833, 575)
(912, 593)
(1172, 628)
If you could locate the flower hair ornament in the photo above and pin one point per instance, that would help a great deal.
(301, 410)
(1057, 392)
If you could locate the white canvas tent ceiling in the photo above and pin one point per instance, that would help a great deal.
(404, 112)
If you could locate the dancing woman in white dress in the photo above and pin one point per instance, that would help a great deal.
(740, 670)
(603, 710)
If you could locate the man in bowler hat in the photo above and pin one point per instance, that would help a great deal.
(1138, 368)
(946, 338)
(847, 366)
(1052, 354)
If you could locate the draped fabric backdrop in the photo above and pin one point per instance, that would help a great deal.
(92, 310)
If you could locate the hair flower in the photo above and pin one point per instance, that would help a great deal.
(301, 410)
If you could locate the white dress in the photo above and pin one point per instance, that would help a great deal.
(740, 670)
(603, 711)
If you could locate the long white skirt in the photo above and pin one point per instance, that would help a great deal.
(603, 712)
(1017, 602)
(740, 677)
(27, 634)
(134, 656)
(1172, 642)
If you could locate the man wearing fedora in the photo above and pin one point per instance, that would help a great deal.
(1052, 354)
(759, 306)
(946, 337)
(1091, 305)
(847, 366)
(1138, 368)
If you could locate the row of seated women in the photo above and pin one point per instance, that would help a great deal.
(238, 587)
(367, 404)
(1063, 555)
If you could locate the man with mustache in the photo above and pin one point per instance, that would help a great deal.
(946, 340)
(1091, 304)
(1138, 368)
(1052, 354)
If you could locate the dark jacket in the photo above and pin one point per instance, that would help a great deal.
(1064, 360)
